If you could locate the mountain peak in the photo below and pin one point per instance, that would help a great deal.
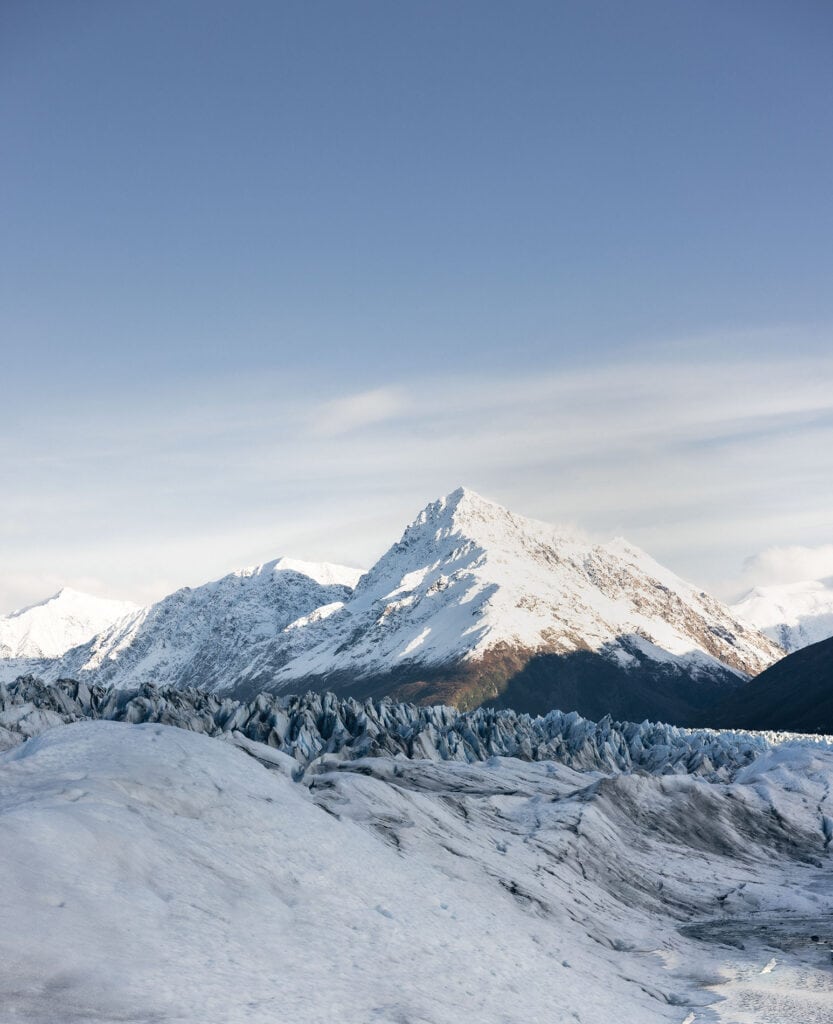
(51, 627)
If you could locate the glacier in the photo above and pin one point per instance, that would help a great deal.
(318, 859)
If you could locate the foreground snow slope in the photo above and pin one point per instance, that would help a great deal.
(155, 875)
(794, 615)
(54, 626)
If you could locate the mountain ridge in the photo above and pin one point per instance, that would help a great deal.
(473, 604)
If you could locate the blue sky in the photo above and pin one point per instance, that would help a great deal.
(272, 273)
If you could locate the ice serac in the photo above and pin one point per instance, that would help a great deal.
(477, 604)
(208, 635)
(33, 636)
(794, 615)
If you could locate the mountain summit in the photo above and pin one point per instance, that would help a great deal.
(52, 627)
(792, 614)
(474, 601)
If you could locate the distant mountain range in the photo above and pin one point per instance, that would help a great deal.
(473, 605)
(54, 626)
(792, 614)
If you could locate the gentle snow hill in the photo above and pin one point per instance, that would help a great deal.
(152, 874)
(207, 634)
(472, 594)
(33, 638)
(792, 614)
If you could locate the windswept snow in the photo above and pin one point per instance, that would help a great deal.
(155, 875)
(794, 615)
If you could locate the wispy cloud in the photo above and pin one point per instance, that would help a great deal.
(791, 564)
(352, 412)
(704, 459)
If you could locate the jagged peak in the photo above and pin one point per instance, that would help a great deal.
(466, 512)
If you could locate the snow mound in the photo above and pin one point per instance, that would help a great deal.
(153, 874)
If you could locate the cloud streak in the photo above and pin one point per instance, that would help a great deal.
(703, 460)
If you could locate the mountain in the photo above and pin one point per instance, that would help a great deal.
(51, 628)
(792, 614)
(473, 605)
(796, 693)
(476, 604)
(207, 634)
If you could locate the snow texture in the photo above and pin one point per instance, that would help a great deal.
(153, 874)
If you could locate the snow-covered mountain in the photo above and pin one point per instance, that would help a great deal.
(472, 593)
(46, 631)
(474, 604)
(207, 634)
(792, 614)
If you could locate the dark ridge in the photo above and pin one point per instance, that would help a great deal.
(593, 683)
(796, 694)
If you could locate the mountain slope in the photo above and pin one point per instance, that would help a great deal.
(796, 694)
(206, 635)
(472, 593)
(63, 621)
(792, 614)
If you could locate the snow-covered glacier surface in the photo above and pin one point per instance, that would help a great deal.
(323, 860)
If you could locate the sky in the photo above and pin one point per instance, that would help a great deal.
(275, 275)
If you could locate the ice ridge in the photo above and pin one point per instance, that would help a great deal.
(314, 726)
